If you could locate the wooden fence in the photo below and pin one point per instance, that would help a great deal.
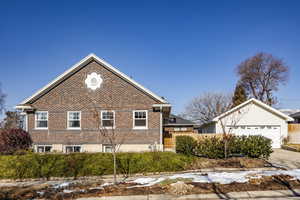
(294, 133)
(170, 142)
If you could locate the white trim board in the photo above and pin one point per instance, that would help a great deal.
(84, 61)
(253, 100)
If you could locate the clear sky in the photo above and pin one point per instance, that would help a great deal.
(177, 49)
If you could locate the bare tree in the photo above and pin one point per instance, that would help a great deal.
(261, 75)
(106, 128)
(228, 124)
(11, 120)
(207, 106)
(2, 100)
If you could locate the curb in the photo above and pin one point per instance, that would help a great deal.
(231, 195)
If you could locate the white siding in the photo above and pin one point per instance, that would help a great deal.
(254, 115)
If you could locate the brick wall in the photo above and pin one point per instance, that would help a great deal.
(73, 95)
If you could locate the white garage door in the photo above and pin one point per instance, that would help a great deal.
(271, 132)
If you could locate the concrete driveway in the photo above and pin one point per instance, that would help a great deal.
(286, 159)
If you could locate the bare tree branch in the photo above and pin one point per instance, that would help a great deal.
(261, 75)
(204, 108)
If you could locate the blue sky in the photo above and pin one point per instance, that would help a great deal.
(178, 49)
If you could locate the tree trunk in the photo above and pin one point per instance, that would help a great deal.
(225, 148)
(115, 166)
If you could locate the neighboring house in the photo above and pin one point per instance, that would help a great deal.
(178, 124)
(62, 116)
(252, 117)
(296, 117)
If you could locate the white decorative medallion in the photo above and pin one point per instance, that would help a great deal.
(93, 81)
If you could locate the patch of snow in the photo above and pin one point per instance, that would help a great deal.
(96, 188)
(215, 177)
(146, 182)
(143, 181)
(62, 185)
(106, 184)
(219, 177)
(40, 193)
(68, 191)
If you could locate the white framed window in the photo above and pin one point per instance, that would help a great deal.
(140, 119)
(108, 119)
(43, 148)
(74, 120)
(72, 148)
(23, 121)
(107, 148)
(41, 120)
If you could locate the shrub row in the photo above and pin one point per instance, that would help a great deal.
(33, 165)
(214, 147)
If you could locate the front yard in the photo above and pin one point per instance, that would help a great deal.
(172, 184)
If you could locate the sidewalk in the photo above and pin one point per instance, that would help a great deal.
(271, 194)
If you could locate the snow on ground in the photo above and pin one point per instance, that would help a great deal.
(219, 177)
(62, 185)
(148, 181)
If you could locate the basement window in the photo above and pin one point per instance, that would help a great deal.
(43, 148)
(73, 149)
(107, 148)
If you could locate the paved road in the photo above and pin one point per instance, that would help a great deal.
(287, 159)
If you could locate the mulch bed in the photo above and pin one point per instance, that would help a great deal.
(281, 182)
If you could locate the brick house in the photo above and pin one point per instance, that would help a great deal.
(66, 114)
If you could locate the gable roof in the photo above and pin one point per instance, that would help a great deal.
(295, 115)
(177, 120)
(253, 100)
(82, 63)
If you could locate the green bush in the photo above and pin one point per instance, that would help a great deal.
(250, 146)
(33, 165)
(185, 145)
(211, 148)
(257, 147)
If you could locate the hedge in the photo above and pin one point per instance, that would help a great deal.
(214, 147)
(185, 145)
(34, 165)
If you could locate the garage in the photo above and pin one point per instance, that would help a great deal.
(252, 117)
(272, 132)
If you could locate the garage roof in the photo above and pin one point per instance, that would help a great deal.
(253, 100)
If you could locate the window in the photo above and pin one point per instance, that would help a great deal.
(140, 119)
(74, 119)
(23, 121)
(72, 149)
(43, 148)
(41, 119)
(107, 148)
(108, 119)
